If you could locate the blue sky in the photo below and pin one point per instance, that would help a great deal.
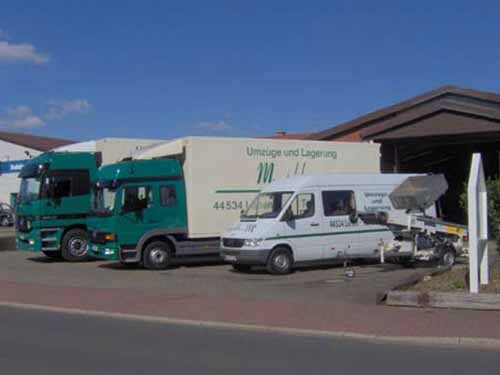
(161, 69)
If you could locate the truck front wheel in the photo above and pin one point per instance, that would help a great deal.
(157, 255)
(74, 245)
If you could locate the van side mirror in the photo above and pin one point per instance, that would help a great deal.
(288, 215)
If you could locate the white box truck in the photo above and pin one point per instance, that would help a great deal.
(215, 179)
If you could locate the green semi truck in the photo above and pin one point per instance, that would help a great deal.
(53, 204)
(173, 201)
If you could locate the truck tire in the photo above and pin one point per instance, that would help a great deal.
(74, 245)
(157, 255)
(280, 262)
(52, 254)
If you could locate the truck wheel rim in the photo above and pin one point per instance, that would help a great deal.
(5, 222)
(157, 256)
(77, 247)
(281, 262)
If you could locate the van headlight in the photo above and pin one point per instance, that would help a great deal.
(253, 242)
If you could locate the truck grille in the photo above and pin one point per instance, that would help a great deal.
(233, 242)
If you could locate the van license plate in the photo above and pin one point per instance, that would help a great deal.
(230, 258)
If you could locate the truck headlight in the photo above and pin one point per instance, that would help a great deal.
(253, 242)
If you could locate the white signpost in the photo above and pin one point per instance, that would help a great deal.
(477, 197)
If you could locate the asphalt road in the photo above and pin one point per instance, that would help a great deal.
(37, 342)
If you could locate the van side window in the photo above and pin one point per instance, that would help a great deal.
(303, 206)
(167, 195)
(137, 198)
(340, 202)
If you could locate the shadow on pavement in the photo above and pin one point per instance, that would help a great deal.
(44, 259)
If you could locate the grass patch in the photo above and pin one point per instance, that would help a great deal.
(456, 280)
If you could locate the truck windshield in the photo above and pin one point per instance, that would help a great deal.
(30, 189)
(103, 201)
(267, 205)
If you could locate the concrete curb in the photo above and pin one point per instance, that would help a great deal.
(469, 342)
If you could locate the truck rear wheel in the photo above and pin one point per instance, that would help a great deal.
(157, 255)
(280, 262)
(74, 245)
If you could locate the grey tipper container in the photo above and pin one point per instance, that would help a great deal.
(418, 192)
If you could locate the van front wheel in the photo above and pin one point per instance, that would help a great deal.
(280, 262)
(157, 255)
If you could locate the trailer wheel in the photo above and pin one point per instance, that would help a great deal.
(448, 258)
(157, 255)
(74, 245)
(280, 262)
(52, 254)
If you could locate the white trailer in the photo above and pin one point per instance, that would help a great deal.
(223, 175)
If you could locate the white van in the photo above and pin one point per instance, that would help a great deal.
(305, 219)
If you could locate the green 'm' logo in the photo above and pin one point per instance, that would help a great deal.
(265, 173)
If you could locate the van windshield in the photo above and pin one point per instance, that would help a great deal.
(267, 205)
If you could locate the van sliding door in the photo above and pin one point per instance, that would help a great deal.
(340, 224)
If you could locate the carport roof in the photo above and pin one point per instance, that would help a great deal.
(447, 99)
(33, 141)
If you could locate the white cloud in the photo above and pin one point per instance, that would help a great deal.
(216, 126)
(59, 109)
(20, 117)
(21, 52)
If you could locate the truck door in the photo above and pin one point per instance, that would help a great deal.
(136, 215)
(171, 211)
(304, 228)
(340, 223)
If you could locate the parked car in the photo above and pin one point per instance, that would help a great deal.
(6, 215)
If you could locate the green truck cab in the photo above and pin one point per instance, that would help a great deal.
(53, 204)
(139, 215)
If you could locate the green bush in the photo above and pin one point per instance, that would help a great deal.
(493, 187)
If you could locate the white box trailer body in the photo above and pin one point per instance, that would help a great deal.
(112, 149)
(223, 175)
